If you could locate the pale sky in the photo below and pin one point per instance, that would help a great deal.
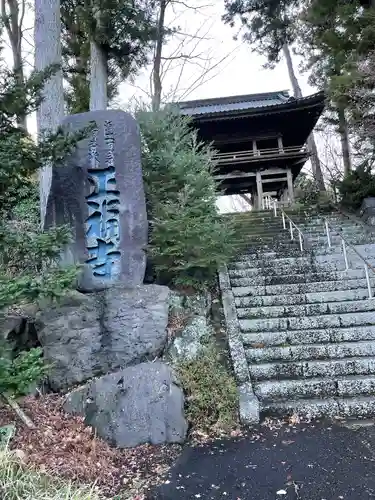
(241, 73)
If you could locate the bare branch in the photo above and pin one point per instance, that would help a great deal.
(180, 2)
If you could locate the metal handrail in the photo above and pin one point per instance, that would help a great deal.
(345, 244)
(292, 225)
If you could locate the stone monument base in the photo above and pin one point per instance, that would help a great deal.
(88, 335)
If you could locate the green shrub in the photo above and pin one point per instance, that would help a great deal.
(29, 257)
(211, 392)
(306, 190)
(17, 482)
(18, 374)
(188, 238)
(357, 186)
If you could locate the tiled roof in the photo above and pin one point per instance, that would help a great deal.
(233, 103)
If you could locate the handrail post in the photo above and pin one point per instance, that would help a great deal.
(328, 235)
(368, 283)
(275, 208)
(345, 256)
(300, 241)
(283, 215)
(291, 230)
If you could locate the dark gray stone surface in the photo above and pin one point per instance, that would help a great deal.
(287, 462)
(367, 211)
(99, 192)
(91, 334)
(140, 404)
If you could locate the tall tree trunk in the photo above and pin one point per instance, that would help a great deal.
(311, 144)
(50, 112)
(156, 76)
(98, 78)
(98, 72)
(344, 139)
(292, 76)
(247, 198)
(12, 17)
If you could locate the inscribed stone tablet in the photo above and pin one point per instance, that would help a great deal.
(99, 193)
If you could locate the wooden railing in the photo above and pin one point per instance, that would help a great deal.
(256, 155)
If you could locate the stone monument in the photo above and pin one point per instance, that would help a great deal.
(99, 193)
(114, 332)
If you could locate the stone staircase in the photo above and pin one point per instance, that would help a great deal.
(304, 323)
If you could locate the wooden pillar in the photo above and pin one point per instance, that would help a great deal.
(259, 190)
(255, 149)
(280, 144)
(290, 185)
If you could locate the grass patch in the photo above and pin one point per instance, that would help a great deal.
(18, 482)
(211, 392)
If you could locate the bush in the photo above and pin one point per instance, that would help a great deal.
(17, 482)
(306, 190)
(29, 258)
(18, 374)
(189, 239)
(357, 186)
(212, 396)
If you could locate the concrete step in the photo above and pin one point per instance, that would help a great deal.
(366, 250)
(322, 308)
(310, 352)
(255, 262)
(358, 406)
(266, 258)
(280, 270)
(312, 369)
(308, 277)
(336, 241)
(349, 386)
(306, 298)
(269, 253)
(307, 323)
(337, 262)
(301, 288)
(301, 337)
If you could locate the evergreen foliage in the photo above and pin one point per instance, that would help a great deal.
(357, 186)
(267, 24)
(188, 239)
(29, 269)
(126, 33)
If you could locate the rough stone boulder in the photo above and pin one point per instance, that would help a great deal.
(140, 404)
(194, 311)
(367, 211)
(191, 341)
(90, 335)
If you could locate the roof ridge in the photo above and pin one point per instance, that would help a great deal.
(281, 94)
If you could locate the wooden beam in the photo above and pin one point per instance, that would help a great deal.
(274, 171)
(259, 189)
(275, 179)
(290, 185)
(234, 175)
(241, 175)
